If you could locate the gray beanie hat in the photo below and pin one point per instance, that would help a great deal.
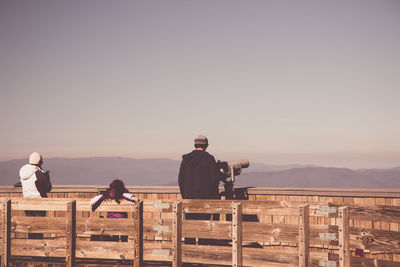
(201, 140)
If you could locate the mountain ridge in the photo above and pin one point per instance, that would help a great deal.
(162, 171)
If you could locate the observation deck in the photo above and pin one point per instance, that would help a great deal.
(268, 227)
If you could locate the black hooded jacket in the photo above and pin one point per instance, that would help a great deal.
(198, 176)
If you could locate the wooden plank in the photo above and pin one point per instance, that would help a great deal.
(6, 233)
(304, 238)
(71, 234)
(38, 248)
(368, 262)
(221, 255)
(388, 213)
(252, 231)
(207, 229)
(237, 260)
(248, 207)
(377, 240)
(105, 250)
(344, 237)
(104, 226)
(91, 190)
(177, 235)
(50, 225)
(107, 206)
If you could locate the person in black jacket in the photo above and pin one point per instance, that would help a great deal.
(198, 174)
(199, 179)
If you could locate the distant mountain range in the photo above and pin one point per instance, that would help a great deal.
(102, 170)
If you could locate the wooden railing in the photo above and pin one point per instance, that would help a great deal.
(70, 231)
(268, 233)
(242, 233)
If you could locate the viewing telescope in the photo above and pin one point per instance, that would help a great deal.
(228, 170)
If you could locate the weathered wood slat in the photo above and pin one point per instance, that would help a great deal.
(107, 206)
(377, 240)
(207, 229)
(50, 225)
(373, 213)
(367, 262)
(252, 207)
(38, 248)
(257, 232)
(105, 250)
(251, 257)
(104, 226)
(40, 206)
(278, 208)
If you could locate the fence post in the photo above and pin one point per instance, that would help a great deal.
(237, 234)
(304, 235)
(71, 234)
(344, 237)
(177, 235)
(138, 219)
(6, 233)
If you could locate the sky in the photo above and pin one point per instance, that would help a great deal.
(277, 82)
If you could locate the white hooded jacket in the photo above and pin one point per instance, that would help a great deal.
(35, 182)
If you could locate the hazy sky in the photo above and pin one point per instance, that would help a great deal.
(279, 82)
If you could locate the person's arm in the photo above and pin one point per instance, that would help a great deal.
(96, 201)
(43, 183)
(130, 197)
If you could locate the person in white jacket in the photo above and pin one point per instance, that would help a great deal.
(35, 184)
(35, 181)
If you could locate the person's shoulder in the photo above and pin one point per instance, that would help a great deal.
(188, 155)
(27, 171)
(209, 155)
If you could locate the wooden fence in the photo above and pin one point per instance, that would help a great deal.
(69, 231)
(238, 233)
(268, 233)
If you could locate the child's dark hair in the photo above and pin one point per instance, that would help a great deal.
(116, 190)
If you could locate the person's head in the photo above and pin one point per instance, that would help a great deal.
(201, 142)
(35, 159)
(116, 189)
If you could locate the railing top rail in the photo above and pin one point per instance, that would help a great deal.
(343, 192)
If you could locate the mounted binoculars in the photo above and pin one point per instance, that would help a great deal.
(233, 168)
(228, 170)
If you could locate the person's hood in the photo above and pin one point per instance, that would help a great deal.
(193, 158)
(27, 171)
